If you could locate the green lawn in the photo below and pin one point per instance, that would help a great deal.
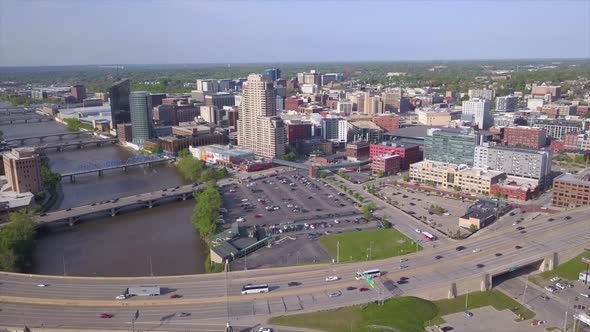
(496, 299)
(383, 243)
(403, 314)
(569, 270)
(409, 314)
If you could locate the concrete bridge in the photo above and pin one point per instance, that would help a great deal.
(115, 206)
(124, 166)
(21, 141)
(24, 120)
(78, 144)
(4, 111)
(314, 170)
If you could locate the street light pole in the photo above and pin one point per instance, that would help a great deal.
(337, 252)
(151, 267)
(526, 284)
(565, 318)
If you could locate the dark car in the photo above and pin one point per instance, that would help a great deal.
(175, 296)
(350, 288)
(519, 228)
(364, 289)
(479, 266)
(438, 257)
(294, 283)
(517, 247)
(568, 218)
(498, 254)
(459, 248)
(550, 219)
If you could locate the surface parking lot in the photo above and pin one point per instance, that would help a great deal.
(418, 204)
(297, 210)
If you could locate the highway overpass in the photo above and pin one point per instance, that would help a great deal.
(75, 302)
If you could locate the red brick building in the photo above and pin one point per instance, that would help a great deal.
(582, 110)
(293, 103)
(409, 153)
(389, 122)
(513, 190)
(528, 137)
(124, 132)
(388, 164)
(571, 140)
(298, 132)
(359, 150)
(557, 146)
(78, 92)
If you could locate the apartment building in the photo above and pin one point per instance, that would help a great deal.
(571, 191)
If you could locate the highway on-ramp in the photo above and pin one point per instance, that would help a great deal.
(77, 302)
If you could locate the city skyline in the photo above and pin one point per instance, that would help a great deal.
(210, 32)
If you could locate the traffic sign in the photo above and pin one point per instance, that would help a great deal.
(586, 260)
(370, 281)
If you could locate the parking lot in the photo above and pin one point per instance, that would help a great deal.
(297, 210)
(418, 204)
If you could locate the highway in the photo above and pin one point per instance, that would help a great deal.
(71, 301)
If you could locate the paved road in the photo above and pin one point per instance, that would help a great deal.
(71, 301)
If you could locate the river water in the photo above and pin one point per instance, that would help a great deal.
(158, 241)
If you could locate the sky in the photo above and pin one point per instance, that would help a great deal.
(78, 32)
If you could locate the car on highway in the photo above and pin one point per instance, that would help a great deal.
(468, 314)
(334, 294)
(459, 248)
(437, 257)
(294, 283)
(417, 230)
(120, 297)
(175, 296)
(498, 254)
(403, 260)
(584, 295)
(519, 228)
(265, 329)
(106, 316)
(182, 314)
(568, 217)
(479, 266)
(332, 278)
(363, 289)
(350, 288)
(401, 267)
(517, 247)
(42, 285)
(258, 215)
(476, 250)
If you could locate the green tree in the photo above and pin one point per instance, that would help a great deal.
(155, 149)
(406, 178)
(206, 211)
(368, 210)
(289, 156)
(472, 228)
(16, 241)
(380, 174)
(50, 178)
(74, 124)
(190, 168)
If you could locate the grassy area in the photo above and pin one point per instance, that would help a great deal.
(569, 270)
(383, 243)
(403, 314)
(496, 299)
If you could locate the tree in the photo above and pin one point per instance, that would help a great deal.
(380, 174)
(206, 211)
(368, 210)
(50, 178)
(74, 124)
(472, 228)
(289, 156)
(190, 168)
(16, 241)
(155, 149)
(385, 223)
(406, 178)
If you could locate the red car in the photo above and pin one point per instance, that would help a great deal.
(258, 216)
(175, 296)
(263, 202)
(106, 315)
(364, 289)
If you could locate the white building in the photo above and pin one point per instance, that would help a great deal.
(480, 109)
(344, 106)
(481, 94)
(309, 88)
(533, 104)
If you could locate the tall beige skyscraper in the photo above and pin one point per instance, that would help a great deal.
(259, 127)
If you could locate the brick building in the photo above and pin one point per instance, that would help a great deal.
(534, 138)
(512, 189)
(571, 191)
(359, 150)
(388, 122)
(22, 167)
(293, 103)
(388, 164)
(298, 132)
(409, 153)
(124, 132)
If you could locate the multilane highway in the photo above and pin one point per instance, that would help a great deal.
(75, 302)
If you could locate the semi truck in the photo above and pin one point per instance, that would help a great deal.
(150, 290)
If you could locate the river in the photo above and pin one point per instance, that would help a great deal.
(158, 241)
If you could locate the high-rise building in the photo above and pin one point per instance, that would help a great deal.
(450, 146)
(525, 137)
(409, 153)
(220, 99)
(22, 167)
(259, 127)
(391, 100)
(119, 94)
(298, 131)
(549, 93)
(125, 132)
(274, 73)
(334, 129)
(557, 128)
(480, 110)
(344, 107)
(208, 85)
(157, 98)
(141, 116)
(481, 94)
(507, 104)
(79, 92)
(526, 163)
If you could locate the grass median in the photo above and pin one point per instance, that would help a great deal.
(369, 244)
(401, 314)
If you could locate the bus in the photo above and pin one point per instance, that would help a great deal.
(371, 273)
(255, 289)
(428, 236)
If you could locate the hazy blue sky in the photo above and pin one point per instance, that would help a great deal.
(64, 32)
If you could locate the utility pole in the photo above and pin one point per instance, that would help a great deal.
(63, 261)
(151, 267)
(526, 284)
(466, 299)
(337, 252)
(565, 318)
